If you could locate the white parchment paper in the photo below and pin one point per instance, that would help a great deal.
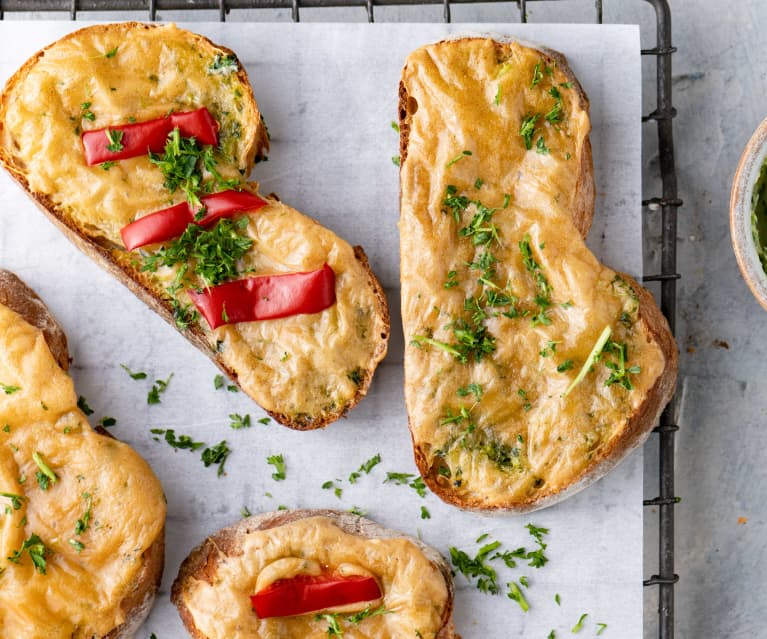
(328, 93)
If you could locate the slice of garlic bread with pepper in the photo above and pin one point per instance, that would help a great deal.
(530, 368)
(137, 140)
(308, 574)
(82, 516)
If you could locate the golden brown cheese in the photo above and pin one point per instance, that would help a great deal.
(414, 589)
(304, 367)
(523, 437)
(79, 596)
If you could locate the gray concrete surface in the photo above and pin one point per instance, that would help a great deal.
(720, 92)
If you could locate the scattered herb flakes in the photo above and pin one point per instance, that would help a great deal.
(106, 422)
(365, 467)
(77, 545)
(618, 352)
(111, 53)
(217, 454)
(282, 507)
(540, 147)
(474, 389)
(478, 183)
(395, 160)
(115, 140)
(238, 421)
(333, 621)
(218, 382)
(356, 375)
(159, 386)
(337, 490)
(403, 479)
(524, 581)
(452, 279)
(558, 599)
(460, 156)
(37, 551)
(279, 465)
(7, 428)
(549, 349)
(527, 129)
(395, 126)
(182, 442)
(108, 164)
(579, 626)
(16, 500)
(87, 114)
(264, 420)
(477, 567)
(45, 475)
(565, 366)
(601, 627)
(593, 356)
(523, 394)
(223, 64)
(425, 514)
(515, 594)
(83, 406)
(245, 512)
(552, 635)
(537, 75)
(133, 374)
(537, 557)
(356, 510)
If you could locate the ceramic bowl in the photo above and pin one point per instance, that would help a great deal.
(746, 176)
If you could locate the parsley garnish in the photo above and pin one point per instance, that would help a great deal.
(474, 389)
(579, 626)
(451, 280)
(337, 490)
(279, 466)
(365, 467)
(555, 114)
(460, 156)
(183, 442)
(77, 545)
(515, 594)
(45, 475)
(107, 165)
(136, 375)
(425, 514)
(86, 111)
(558, 599)
(239, 421)
(218, 454)
(264, 420)
(537, 75)
(83, 406)
(403, 479)
(620, 374)
(395, 160)
(395, 126)
(543, 298)
(16, 500)
(593, 355)
(9, 389)
(601, 628)
(223, 63)
(111, 53)
(159, 386)
(355, 376)
(565, 366)
(540, 147)
(37, 552)
(356, 510)
(82, 524)
(218, 382)
(527, 129)
(523, 394)
(536, 557)
(334, 619)
(115, 140)
(472, 341)
(245, 512)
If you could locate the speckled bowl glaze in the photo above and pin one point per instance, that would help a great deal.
(740, 213)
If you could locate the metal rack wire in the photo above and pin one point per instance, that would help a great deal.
(667, 203)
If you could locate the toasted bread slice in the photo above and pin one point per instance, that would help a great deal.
(305, 370)
(101, 520)
(215, 581)
(531, 369)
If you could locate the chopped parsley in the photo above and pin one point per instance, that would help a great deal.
(87, 114)
(337, 490)
(565, 366)
(620, 374)
(111, 53)
(218, 382)
(593, 356)
(355, 376)
(425, 514)
(403, 479)
(9, 389)
(279, 466)
(540, 147)
(365, 467)
(395, 126)
(239, 421)
(334, 619)
(543, 297)
(218, 454)
(460, 156)
(45, 476)
(115, 140)
(601, 627)
(16, 500)
(527, 129)
(451, 280)
(159, 386)
(523, 394)
(245, 512)
(356, 510)
(107, 165)
(182, 442)
(83, 406)
(558, 599)
(555, 113)
(37, 551)
(579, 626)
(474, 389)
(223, 63)
(515, 594)
(395, 160)
(537, 75)
(133, 375)
(77, 545)
(264, 420)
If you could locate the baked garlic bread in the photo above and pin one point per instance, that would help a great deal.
(82, 516)
(308, 574)
(530, 368)
(136, 141)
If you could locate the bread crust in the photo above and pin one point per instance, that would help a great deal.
(650, 317)
(139, 599)
(202, 562)
(101, 252)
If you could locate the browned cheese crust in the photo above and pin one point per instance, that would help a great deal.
(102, 245)
(202, 563)
(428, 371)
(138, 601)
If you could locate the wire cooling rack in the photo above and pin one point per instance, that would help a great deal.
(666, 202)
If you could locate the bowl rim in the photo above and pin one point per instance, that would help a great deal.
(746, 175)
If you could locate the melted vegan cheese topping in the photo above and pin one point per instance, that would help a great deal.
(523, 437)
(414, 589)
(302, 366)
(79, 597)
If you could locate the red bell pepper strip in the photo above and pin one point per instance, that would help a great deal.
(305, 593)
(140, 137)
(267, 297)
(171, 222)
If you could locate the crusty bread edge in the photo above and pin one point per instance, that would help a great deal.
(139, 599)
(201, 564)
(102, 256)
(646, 416)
